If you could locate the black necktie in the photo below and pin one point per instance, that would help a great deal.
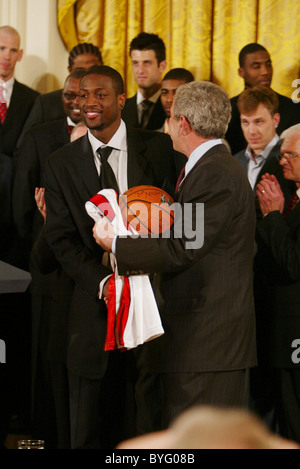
(146, 108)
(107, 177)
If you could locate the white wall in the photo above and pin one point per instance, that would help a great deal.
(45, 59)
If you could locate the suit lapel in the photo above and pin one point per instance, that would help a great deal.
(85, 166)
(293, 217)
(206, 155)
(138, 171)
(271, 165)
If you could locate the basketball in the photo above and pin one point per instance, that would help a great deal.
(147, 210)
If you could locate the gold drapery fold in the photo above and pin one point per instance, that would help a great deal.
(204, 36)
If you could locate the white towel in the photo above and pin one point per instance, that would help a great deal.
(133, 317)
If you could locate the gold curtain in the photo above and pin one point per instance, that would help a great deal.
(204, 36)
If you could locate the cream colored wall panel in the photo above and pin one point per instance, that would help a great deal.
(44, 63)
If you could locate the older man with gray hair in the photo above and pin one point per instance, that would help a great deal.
(203, 289)
(279, 229)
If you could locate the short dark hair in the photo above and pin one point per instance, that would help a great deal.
(251, 98)
(78, 73)
(84, 48)
(110, 72)
(179, 74)
(148, 41)
(249, 49)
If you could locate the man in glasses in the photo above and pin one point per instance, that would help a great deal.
(279, 230)
(258, 107)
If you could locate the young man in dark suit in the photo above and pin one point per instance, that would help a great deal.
(72, 178)
(255, 67)
(148, 58)
(204, 269)
(37, 144)
(279, 229)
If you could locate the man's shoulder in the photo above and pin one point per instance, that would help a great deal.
(70, 150)
(50, 96)
(240, 155)
(25, 90)
(149, 135)
(47, 127)
(131, 101)
(285, 102)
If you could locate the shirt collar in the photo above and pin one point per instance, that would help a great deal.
(7, 88)
(140, 98)
(266, 151)
(199, 152)
(118, 140)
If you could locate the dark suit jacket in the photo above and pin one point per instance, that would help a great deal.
(48, 107)
(71, 180)
(22, 100)
(270, 166)
(36, 145)
(130, 114)
(204, 295)
(282, 240)
(289, 115)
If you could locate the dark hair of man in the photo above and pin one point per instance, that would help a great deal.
(179, 74)
(148, 41)
(78, 73)
(84, 48)
(110, 72)
(251, 98)
(249, 49)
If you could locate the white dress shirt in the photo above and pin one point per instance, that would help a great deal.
(117, 160)
(118, 157)
(198, 153)
(255, 164)
(7, 89)
(140, 98)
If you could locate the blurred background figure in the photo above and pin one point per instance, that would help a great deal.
(148, 58)
(172, 79)
(205, 427)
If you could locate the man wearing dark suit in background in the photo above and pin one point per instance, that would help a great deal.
(204, 282)
(36, 145)
(148, 58)
(72, 177)
(258, 108)
(49, 105)
(279, 229)
(255, 67)
(16, 101)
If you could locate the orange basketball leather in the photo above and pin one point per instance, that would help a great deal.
(147, 209)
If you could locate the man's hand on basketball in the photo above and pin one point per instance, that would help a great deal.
(104, 234)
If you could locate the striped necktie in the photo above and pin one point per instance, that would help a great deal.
(180, 178)
(3, 107)
(292, 204)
